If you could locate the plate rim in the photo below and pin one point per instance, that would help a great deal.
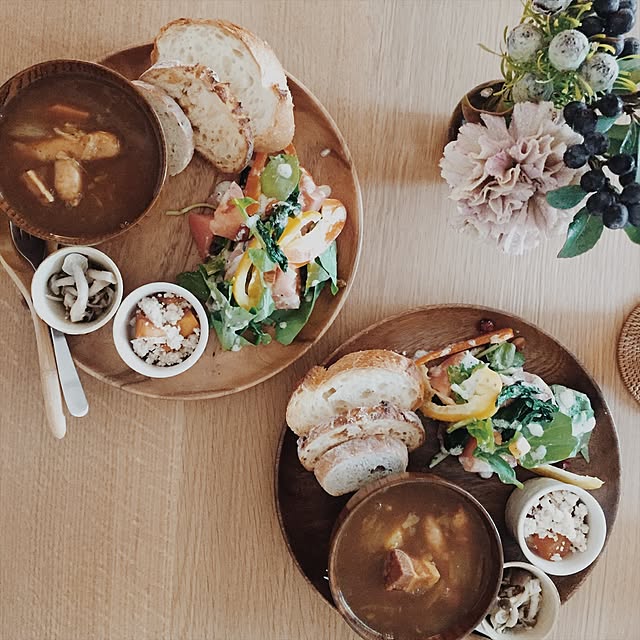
(427, 308)
(136, 386)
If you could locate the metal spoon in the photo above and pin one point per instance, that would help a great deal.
(34, 251)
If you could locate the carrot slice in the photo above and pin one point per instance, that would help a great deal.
(253, 189)
(495, 337)
(290, 150)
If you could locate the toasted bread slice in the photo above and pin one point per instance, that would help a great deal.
(176, 127)
(243, 60)
(221, 131)
(353, 464)
(383, 419)
(360, 379)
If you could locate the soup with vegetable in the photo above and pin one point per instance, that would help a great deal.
(80, 157)
(415, 560)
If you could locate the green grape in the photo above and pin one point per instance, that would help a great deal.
(280, 177)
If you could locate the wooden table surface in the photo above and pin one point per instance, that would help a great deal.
(155, 519)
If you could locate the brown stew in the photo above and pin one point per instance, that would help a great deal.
(80, 157)
(413, 561)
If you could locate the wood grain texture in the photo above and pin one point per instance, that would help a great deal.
(155, 519)
(308, 514)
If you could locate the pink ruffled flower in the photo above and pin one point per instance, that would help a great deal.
(499, 176)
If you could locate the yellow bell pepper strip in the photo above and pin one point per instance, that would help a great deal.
(246, 284)
(301, 244)
(486, 385)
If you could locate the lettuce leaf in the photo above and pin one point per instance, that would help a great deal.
(329, 262)
(482, 431)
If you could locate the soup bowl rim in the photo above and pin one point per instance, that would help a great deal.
(98, 72)
(367, 493)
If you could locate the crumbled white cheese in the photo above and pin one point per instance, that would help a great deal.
(282, 325)
(539, 453)
(559, 513)
(536, 429)
(284, 170)
(324, 153)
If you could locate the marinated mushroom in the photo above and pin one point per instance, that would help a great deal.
(518, 602)
(86, 292)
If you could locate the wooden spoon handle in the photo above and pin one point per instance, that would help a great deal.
(49, 378)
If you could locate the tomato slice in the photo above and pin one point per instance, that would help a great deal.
(200, 226)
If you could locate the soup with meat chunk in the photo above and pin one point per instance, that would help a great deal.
(416, 559)
(81, 157)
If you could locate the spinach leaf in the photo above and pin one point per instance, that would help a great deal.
(578, 407)
(261, 231)
(453, 441)
(329, 262)
(505, 359)
(524, 407)
(556, 443)
(502, 468)
(195, 281)
(289, 322)
(584, 231)
(315, 275)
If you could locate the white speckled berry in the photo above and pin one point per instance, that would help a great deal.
(600, 71)
(528, 89)
(524, 42)
(568, 50)
(550, 6)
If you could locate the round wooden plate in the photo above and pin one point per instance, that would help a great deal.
(307, 513)
(160, 247)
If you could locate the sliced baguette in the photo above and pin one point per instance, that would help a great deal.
(353, 464)
(177, 129)
(360, 379)
(221, 131)
(383, 419)
(243, 60)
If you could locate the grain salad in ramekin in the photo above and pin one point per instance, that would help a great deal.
(160, 330)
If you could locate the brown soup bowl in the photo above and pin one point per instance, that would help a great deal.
(412, 506)
(135, 174)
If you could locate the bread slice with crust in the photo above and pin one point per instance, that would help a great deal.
(221, 130)
(358, 462)
(383, 419)
(247, 63)
(360, 379)
(176, 127)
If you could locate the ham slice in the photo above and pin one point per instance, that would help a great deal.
(285, 287)
(404, 573)
(311, 196)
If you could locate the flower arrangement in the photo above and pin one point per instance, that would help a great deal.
(556, 146)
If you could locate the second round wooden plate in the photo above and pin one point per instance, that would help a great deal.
(160, 247)
(307, 514)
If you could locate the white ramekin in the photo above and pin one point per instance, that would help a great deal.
(122, 330)
(547, 616)
(521, 501)
(54, 312)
